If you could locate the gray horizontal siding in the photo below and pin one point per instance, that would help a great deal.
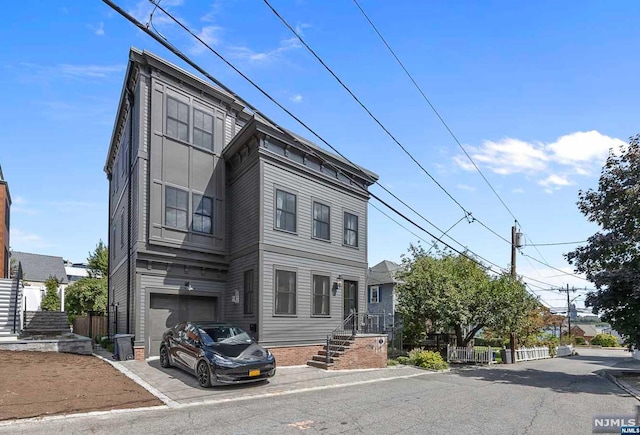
(118, 295)
(244, 200)
(303, 328)
(234, 313)
(308, 190)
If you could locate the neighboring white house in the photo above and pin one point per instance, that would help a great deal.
(75, 271)
(37, 269)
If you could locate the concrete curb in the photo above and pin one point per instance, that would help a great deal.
(138, 380)
(620, 383)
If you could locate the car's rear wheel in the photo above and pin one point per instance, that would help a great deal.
(164, 357)
(203, 374)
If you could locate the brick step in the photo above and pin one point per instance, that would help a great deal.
(332, 353)
(319, 364)
(321, 358)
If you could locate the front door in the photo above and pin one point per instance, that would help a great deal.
(350, 297)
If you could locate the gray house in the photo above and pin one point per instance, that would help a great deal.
(381, 297)
(217, 214)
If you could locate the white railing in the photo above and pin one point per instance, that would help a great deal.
(470, 355)
(532, 353)
(564, 350)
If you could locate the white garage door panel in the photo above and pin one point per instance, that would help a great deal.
(167, 310)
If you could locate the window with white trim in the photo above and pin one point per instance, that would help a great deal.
(321, 220)
(321, 298)
(285, 211)
(374, 294)
(350, 229)
(285, 292)
(248, 292)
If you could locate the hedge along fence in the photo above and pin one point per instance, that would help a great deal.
(90, 326)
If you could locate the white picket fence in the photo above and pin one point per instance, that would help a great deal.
(564, 350)
(470, 355)
(532, 353)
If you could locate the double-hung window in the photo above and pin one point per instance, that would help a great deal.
(285, 292)
(285, 211)
(202, 129)
(177, 119)
(350, 229)
(321, 295)
(374, 296)
(202, 214)
(176, 207)
(321, 221)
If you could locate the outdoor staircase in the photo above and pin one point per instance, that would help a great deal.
(338, 345)
(47, 323)
(7, 302)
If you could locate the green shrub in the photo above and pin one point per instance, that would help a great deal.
(392, 362)
(488, 342)
(51, 300)
(427, 359)
(403, 360)
(604, 340)
(580, 341)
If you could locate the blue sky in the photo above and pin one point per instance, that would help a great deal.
(537, 93)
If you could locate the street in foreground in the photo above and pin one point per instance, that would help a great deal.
(558, 396)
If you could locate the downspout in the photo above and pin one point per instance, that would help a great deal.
(129, 200)
(109, 176)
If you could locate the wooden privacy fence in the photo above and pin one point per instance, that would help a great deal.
(90, 326)
(532, 353)
(483, 355)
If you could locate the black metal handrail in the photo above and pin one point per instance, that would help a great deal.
(15, 304)
(351, 325)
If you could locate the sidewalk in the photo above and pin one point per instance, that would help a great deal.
(178, 388)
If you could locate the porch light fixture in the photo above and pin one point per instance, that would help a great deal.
(338, 285)
(187, 286)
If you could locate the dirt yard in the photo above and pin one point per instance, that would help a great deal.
(35, 384)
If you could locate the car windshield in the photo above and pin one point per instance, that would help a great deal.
(212, 335)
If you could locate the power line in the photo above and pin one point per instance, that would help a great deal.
(555, 268)
(182, 56)
(424, 96)
(433, 107)
(555, 244)
(364, 107)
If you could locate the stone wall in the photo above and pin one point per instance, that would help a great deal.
(78, 344)
(367, 352)
(294, 355)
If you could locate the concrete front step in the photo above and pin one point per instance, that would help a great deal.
(323, 358)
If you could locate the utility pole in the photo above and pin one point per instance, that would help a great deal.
(568, 310)
(515, 244)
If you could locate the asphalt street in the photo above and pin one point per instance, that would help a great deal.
(558, 396)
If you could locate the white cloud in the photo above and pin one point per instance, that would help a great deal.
(582, 148)
(24, 240)
(466, 187)
(554, 182)
(100, 29)
(71, 71)
(210, 35)
(579, 153)
(248, 54)
(142, 10)
(300, 28)
(297, 98)
(518, 190)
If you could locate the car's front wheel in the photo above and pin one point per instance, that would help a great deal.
(164, 357)
(203, 374)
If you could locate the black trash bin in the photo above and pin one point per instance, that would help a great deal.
(123, 347)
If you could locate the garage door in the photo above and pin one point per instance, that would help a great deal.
(167, 310)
